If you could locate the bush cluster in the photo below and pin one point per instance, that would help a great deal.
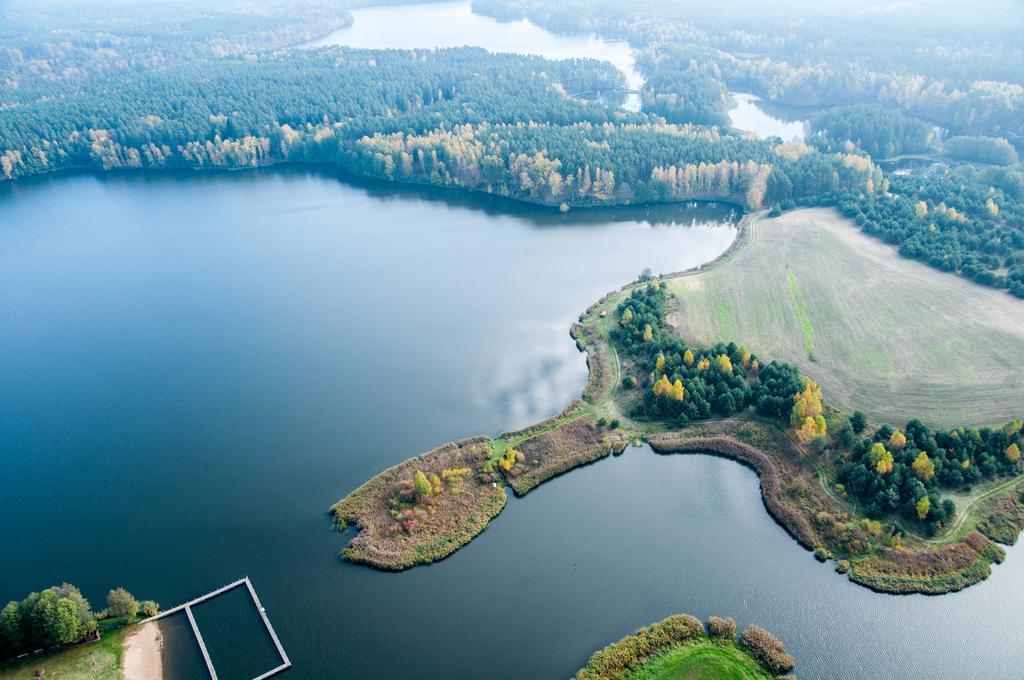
(767, 649)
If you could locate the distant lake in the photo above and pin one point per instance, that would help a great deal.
(453, 24)
(765, 119)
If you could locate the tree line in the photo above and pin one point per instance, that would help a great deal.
(682, 383)
(950, 66)
(453, 117)
(961, 220)
(60, 615)
(904, 471)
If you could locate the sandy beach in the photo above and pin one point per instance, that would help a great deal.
(143, 653)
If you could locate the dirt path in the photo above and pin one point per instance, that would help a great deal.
(952, 534)
(143, 653)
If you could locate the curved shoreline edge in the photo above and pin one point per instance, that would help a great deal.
(792, 491)
(681, 644)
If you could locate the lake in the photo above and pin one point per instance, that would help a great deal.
(197, 366)
(453, 24)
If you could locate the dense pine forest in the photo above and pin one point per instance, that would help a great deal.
(180, 90)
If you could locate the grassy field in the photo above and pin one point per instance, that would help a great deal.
(890, 336)
(97, 661)
(703, 660)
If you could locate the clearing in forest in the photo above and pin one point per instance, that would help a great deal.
(881, 333)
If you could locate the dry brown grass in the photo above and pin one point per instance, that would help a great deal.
(456, 518)
(561, 449)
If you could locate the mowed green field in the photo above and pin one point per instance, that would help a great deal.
(701, 661)
(887, 335)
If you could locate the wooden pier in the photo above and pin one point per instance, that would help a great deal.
(187, 608)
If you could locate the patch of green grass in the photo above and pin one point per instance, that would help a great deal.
(726, 320)
(806, 329)
(95, 661)
(892, 337)
(703, 660)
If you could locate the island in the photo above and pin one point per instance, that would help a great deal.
(680, 648)
(909, 510)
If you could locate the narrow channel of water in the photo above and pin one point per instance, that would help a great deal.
(453, 24)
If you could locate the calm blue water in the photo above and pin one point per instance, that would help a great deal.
(196, 366)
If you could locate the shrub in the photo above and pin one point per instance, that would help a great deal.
(615, 423)
(149, 608)
(614, 660)
(722, 629)
(767, 649)
(122, 604)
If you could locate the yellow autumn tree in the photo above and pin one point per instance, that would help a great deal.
(755, 367)
(627, 316)
(806, 404)
(703, 364)
(923, 507)
(745, 356)
(656, 284)
(806, 432)
(421, 484)
(659, 364)
(662, 387)
(924, 468)
(922, 209)
(1013, 453)
(688, 357)
(993, 209)
(648, 333)
(723, 363)
(678, 391)
(966, 464)
(880, 458)
(897, 441)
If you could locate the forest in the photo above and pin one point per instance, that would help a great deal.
(187, 95)
(60, 615)
(904, 471)
(454, 117)
(681, 383)
(961, 220)
(951, 66)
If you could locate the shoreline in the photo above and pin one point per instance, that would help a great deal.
(577, 436)
(143, 653)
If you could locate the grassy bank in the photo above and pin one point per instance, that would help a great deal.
(679, 648)
(101, 660)
(701, 661)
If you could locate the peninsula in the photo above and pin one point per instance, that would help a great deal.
(900, 510)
